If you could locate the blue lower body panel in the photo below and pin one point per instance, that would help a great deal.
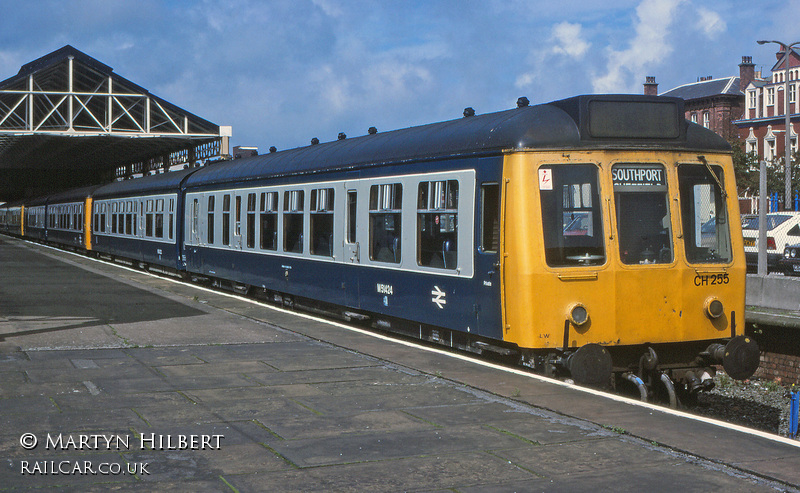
(150, 252)
(427, 298)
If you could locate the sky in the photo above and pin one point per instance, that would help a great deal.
(283, 71)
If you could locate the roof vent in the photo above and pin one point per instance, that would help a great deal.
(468, 111)
(372, 130)
(342, 136)
(273, 149)
(522, 102)
(314, 141)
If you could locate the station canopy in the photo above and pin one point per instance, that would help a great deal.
(68, 120)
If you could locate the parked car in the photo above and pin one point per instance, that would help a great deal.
(783, 228)
(790, 263)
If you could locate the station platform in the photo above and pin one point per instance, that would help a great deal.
(115, 379)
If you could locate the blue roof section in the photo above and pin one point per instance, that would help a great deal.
(155, 184)
(76, 195)
(527, 127)
(728, 86)
(556, 125)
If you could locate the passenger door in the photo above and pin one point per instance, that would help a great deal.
(237, 223)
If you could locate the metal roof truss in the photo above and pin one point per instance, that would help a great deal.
(63, 100)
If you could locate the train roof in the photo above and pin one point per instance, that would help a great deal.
(74, 195)
(150, 184)
(594, 121)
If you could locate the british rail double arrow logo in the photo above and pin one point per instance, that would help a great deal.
(439, 297)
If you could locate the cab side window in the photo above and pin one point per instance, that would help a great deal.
(571, 215)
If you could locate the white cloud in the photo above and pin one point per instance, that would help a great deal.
(568, 38)
(330, 7)
(625, 69)
(710, 22)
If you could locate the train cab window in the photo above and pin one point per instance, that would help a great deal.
(571, 215)
(226, 219)
(268, 211)
(321, 222)
(293, 202)
(490, 217)
(437, 224)
(251, 220)
(385, 227)
(704, 217)
(643, 220)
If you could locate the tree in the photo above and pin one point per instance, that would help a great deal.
(745, 168)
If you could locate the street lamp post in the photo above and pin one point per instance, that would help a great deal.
(788, 163)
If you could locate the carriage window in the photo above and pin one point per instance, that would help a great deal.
(251, 220)
(171, 218)
(210, 227)
(195, 217)
(437, 224)
(269, 221)
(226, 219)
(148, 219)
(571, 215)
(352, 203)
(159, 225)
(321, 222)
(704, 217)
(293, 221)
(238, 223)
(490, 217)
(385, 203)
(643, 221)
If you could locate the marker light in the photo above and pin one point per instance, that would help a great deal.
(578, 314)
(713, 308)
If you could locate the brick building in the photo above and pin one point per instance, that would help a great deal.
(763, 123)
(714, 103)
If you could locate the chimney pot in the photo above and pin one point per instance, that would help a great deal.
(650, 86)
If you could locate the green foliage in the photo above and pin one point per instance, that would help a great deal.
(746, 170)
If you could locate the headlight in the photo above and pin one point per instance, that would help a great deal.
(578, 314)
(786, 253)
(713, 308)
(793, 253)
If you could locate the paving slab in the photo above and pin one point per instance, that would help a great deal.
(91, 350)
